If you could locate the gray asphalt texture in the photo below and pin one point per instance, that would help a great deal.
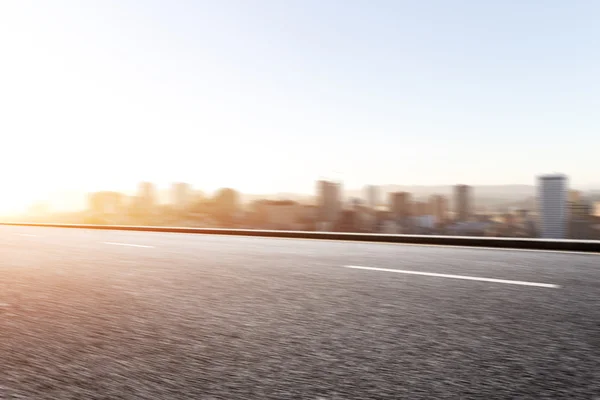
(218, 317)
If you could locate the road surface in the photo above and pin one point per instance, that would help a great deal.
(88, 314)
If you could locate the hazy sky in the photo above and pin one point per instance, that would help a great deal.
(269, 95)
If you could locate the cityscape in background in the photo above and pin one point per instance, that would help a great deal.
(555, 211)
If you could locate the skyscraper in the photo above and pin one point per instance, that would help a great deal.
(438, 207)
(328, 200)
(552, 206)
(462, 202)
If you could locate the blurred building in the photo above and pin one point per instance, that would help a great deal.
(372, 194)
(420, 208)
(279, 215)
(309, 214)
(400, 205)
(463, 204)
(364, 218)
(579, 210)
(574, 196)
(329, 202)
(346, 222)
(580, 218)
(552, 206)
(226, 205)
(182, 195)
(438, 207)
(525, 223)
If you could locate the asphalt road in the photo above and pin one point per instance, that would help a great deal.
(133, 315)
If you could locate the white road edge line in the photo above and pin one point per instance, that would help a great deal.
(128, 244)
(26, 234)
(464, 277)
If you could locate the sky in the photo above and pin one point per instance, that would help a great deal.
(268, 96)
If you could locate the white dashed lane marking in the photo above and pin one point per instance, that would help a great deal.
(463, 277)
(128, 244)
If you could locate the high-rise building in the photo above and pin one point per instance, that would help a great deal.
(400, 205)
(372, 196)
(181, 195)
(463, 204)
(329, 201)
(438, 207)
(552, 206)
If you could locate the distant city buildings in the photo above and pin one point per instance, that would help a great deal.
(552, 206)
(555, 213)
(463, 203)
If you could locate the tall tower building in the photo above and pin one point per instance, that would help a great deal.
(463, 204)
(329, 200)
(438, 207)
(552, 206)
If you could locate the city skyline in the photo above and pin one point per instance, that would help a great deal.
(267, 97)
(164, 194)
(555, 210)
